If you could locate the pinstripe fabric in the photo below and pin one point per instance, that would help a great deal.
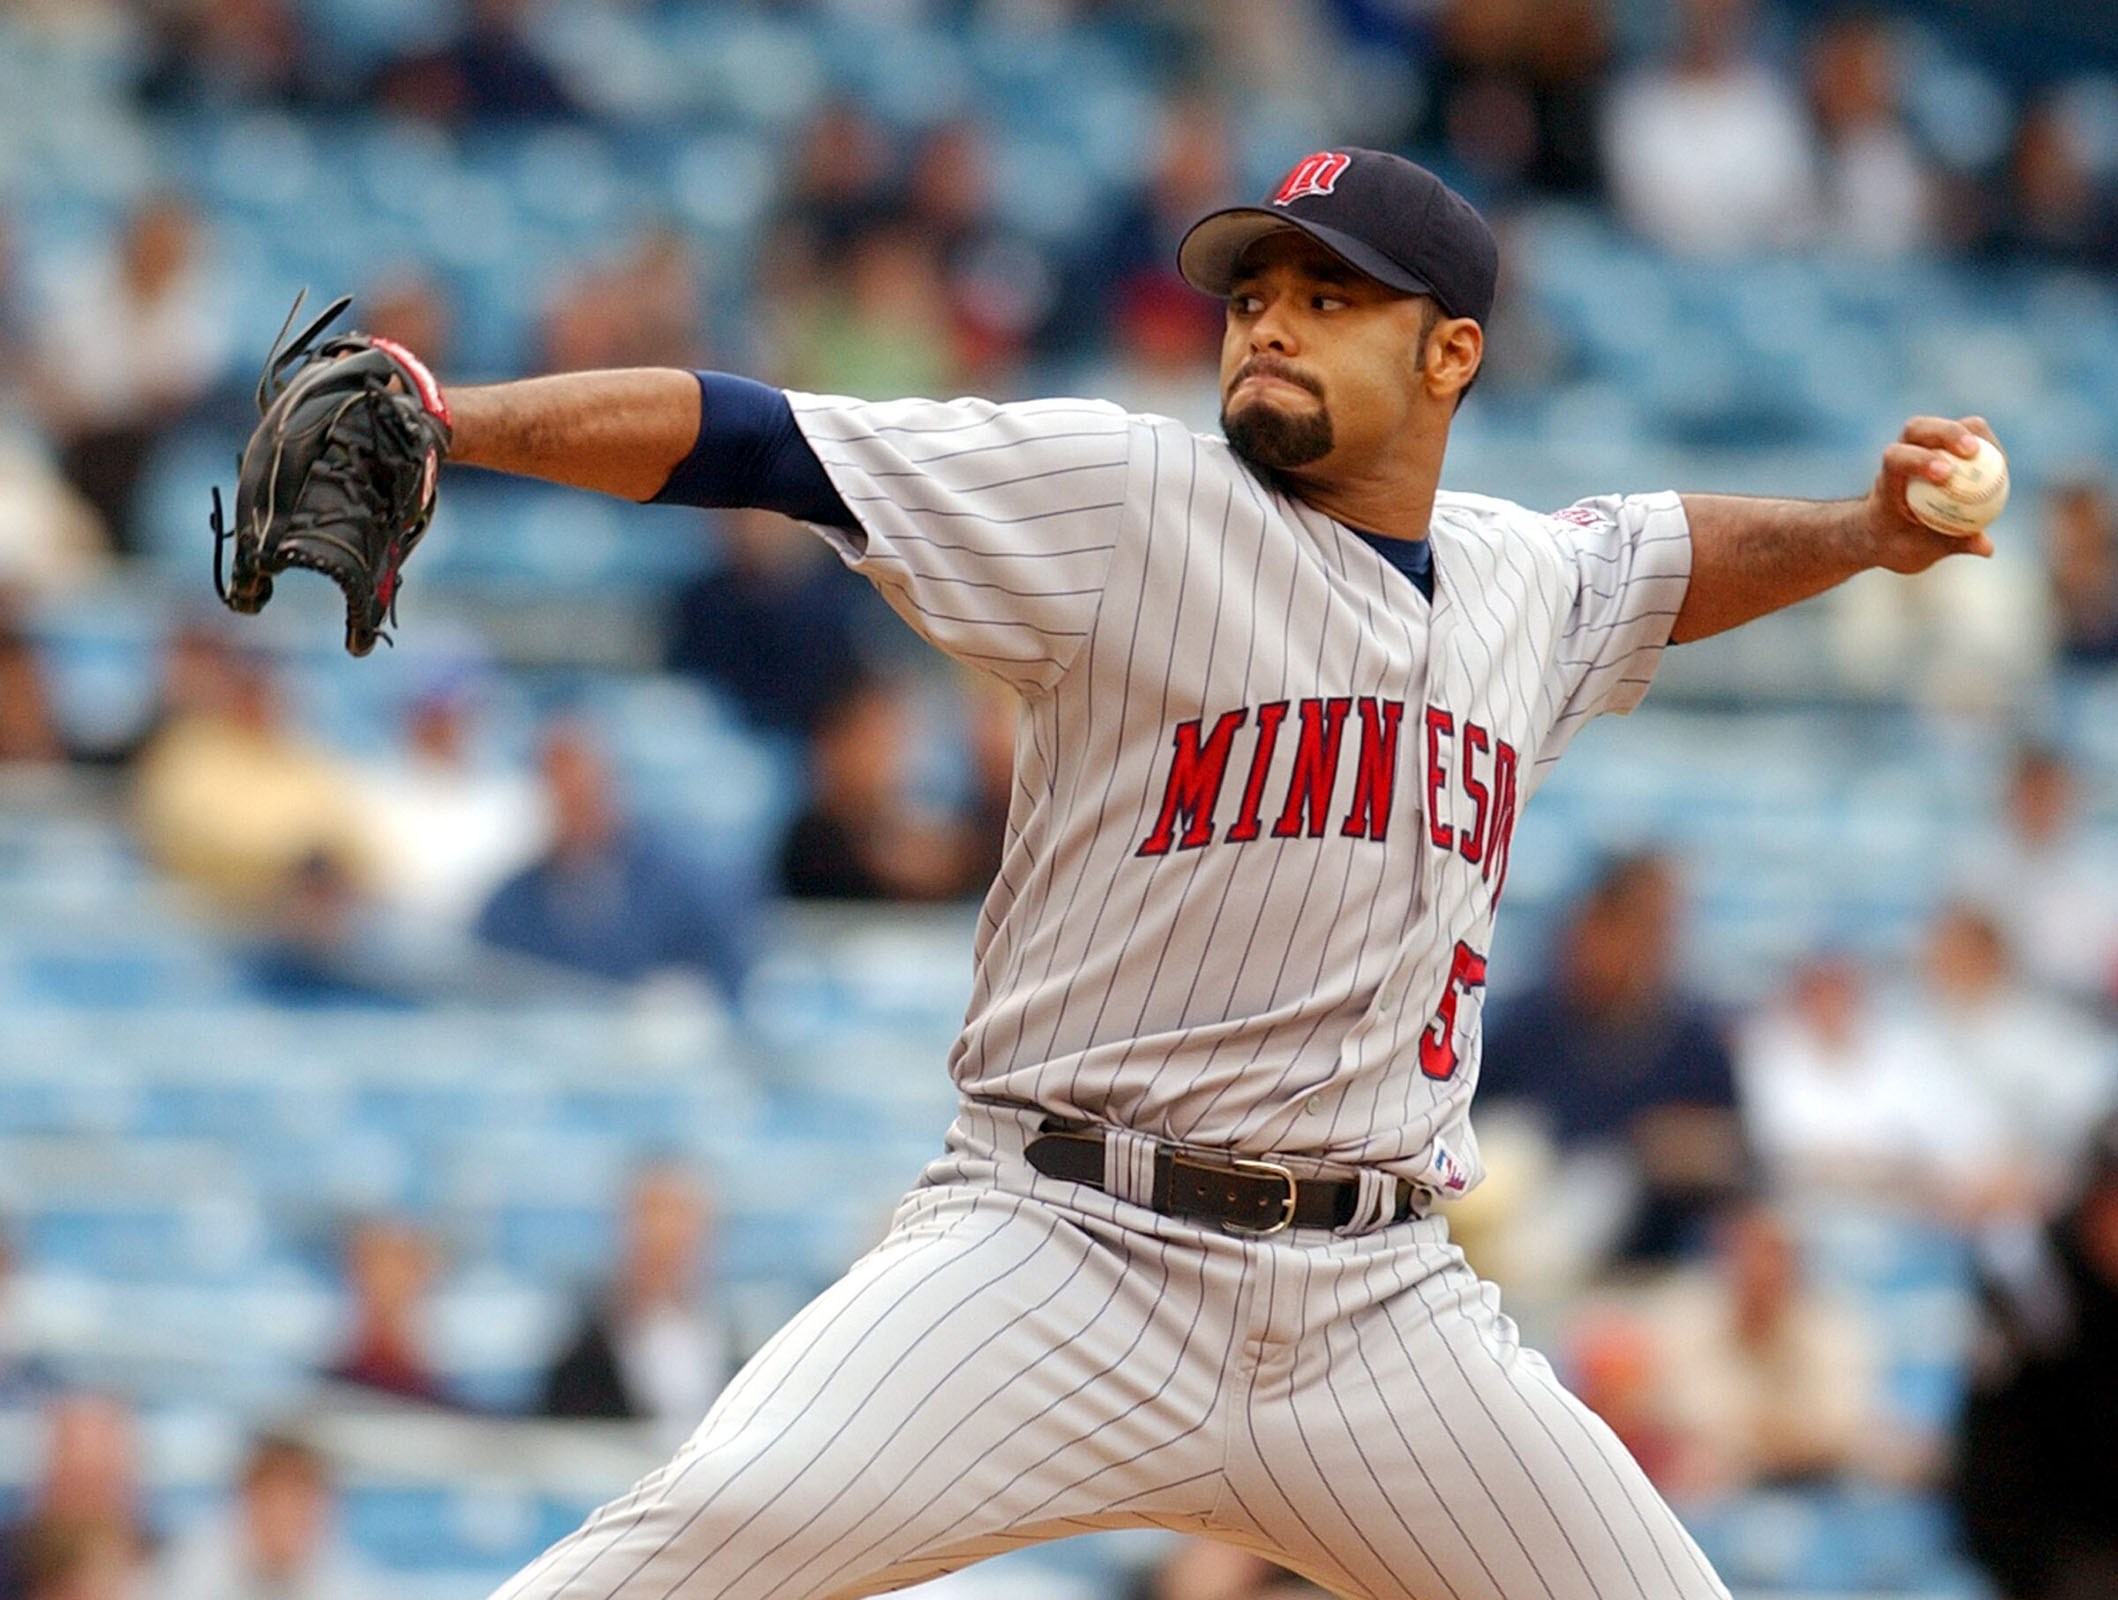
(1264, 793)
(1024, 1358)
(1261, 995)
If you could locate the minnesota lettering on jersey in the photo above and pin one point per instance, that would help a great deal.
(1462, 758)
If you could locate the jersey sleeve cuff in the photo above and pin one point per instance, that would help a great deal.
(1661, 573)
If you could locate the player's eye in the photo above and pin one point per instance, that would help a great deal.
(1245, 305)
(1327, 302)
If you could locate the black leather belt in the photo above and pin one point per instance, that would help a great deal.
(1255, 1197)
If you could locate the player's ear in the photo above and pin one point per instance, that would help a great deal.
(1452, 356)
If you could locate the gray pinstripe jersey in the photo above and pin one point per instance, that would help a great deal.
(1264, 796)
(1264, 789)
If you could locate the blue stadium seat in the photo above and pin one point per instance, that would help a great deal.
(1042, 187)
(57, 1084)
(494, 1334)
(265, 164)
(724, 182)
(767, 72)
(565, 178)
(143, 1239)
(417, 1528)
(909, 76)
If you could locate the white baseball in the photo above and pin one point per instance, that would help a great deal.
(1973, 496)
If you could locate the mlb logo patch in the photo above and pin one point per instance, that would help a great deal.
(1447, 1168)
(1317, 174)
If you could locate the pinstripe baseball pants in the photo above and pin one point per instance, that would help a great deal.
(1023, 1358)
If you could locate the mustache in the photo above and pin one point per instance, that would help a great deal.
(1266, 366)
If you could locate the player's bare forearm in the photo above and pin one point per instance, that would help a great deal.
(1749, 556)
(1753, 556)
(620, 432)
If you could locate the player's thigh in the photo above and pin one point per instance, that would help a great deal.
(990, 1375)
(1414, 1448)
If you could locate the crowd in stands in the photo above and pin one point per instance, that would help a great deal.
(651, 1347)
(83, 1536)
(1662, 1164)
(1656, 1161)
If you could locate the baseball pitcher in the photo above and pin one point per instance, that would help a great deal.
(1283, 700)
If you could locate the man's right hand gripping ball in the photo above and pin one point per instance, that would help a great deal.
(339, 475)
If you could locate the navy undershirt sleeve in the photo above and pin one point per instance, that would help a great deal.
(751, 453)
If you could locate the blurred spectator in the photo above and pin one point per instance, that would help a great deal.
(1623, 1065)
(17, 317)
(275, 1543)
(446, 829)
(1136, 247)
(389, 1267)
(22, 1369)
(2048, 205)
(27, 731)
(1878, 197)
(881, 329)
(774, 625)
(639, 310)
(1000, 287)
(1757, 1378)
(585, 322)
(2048, 882)
(1711, 154)
(65, 1558)
(1514, 93)
(1206, 1569)
(225, 54)
(612, 896)
(129, 344)
(1528, 354)
(859, 837)
(51, 539)
(1164, 359)
(80, 1537)
(663, 283)
(2037, 1455)
(1963, 637)
(490, 72)
(229, 797)
(102, 26)
(654, 1348)
(1614, 1368)
(2021, 1075)
(2081, 541)
(1260, 53)
(1834, 1100)
(319, 945)
(838, 187)
(408, 305)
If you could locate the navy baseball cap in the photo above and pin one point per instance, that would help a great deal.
(1388, 217)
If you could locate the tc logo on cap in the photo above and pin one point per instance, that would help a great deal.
(1317, 174)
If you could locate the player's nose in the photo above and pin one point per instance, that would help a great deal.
(1273, 330)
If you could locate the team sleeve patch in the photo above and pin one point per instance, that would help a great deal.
(1626, 564)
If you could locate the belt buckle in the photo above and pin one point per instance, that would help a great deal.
(1265, 1169)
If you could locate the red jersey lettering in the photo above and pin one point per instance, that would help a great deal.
(1194, 784)
(1315, 767)
(1375, 779)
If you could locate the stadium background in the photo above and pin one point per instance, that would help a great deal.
(213, 1067)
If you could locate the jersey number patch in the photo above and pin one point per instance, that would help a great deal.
(1437, 1046)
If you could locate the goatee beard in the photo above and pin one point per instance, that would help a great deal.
(1276, 440)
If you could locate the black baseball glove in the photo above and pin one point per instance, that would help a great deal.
(339, 476)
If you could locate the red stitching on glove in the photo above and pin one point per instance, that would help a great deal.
(429, 390)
